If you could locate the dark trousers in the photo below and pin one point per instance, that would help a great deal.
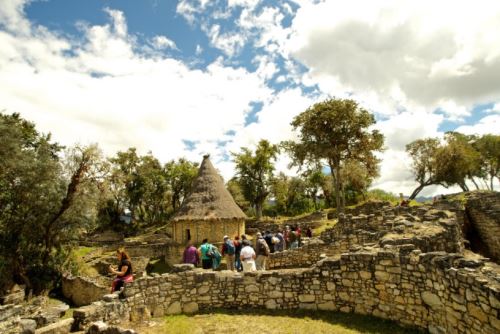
(207, 264)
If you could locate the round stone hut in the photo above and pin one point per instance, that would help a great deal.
(209, 211)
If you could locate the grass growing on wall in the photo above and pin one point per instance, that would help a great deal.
(275, 322)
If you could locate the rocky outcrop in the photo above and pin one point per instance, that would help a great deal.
(36, 316)
(482, 211)
(83, 290)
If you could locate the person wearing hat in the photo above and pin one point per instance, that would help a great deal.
(228, 251)
(262, 251)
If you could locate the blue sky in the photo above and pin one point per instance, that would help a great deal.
(189, 77)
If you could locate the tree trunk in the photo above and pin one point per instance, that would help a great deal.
(337, 187)
(66, 203)
(463, 186)
(416, 191)
(474, 181)
(491, 182)
(258, 210)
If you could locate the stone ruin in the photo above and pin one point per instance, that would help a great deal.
(406, 264)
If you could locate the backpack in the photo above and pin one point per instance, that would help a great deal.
(263, 247)
(209, 250)
(230, 249)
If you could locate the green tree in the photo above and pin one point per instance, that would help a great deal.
(335, 131)
(234, 188)
(255, 171)
(38, 198)
(358, 178)
(180, 176)
(314, 180)
(488, 147)
(424, 166)
(458, 161)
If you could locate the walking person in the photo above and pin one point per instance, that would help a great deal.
(206, 260)
(228, 252)
(247, 257)
(262, 251)
(191, 254)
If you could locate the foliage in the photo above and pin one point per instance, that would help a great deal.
(180, 176)
(235, 190)
(142, 186)
(43, 201)
(457, 160)
(291, 195)
(335, 132)
(488, 147)
(381, 195)
(254, 172)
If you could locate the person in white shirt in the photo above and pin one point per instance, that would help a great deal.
(247, 257)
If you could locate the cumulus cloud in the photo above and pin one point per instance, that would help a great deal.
(105, 90)
(438, 55)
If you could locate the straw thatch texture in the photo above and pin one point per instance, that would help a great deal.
(209, 198)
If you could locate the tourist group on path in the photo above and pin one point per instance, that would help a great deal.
(240, 254)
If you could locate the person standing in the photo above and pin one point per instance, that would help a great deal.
(228, 251)
(268, 237)
(280, 245)
(206, 260)
(247, 257)
(293, 239)
(262, 252)
(237, 252)
(191, 255)
(286, 235)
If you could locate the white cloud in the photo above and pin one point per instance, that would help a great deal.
(104, 91)
(250, 4)
(198, 50)
(12, 16)
(230, 43)
(488, 124)
(435, 55)
(494, 109)
(162, 42)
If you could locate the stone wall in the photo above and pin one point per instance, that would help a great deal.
(443, 293)
(304, 256)
(483, 212)
(363, 209)
(426, 228)
(83, 290)
(309, 221)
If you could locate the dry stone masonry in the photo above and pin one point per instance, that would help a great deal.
(403, 264)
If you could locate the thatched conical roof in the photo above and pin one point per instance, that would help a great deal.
(209, 198)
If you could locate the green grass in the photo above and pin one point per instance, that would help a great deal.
(274, 322)
(325, 224)
(83, 251)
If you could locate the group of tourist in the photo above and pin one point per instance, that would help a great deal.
(240, 254)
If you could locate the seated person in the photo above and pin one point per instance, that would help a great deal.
(124, 272)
